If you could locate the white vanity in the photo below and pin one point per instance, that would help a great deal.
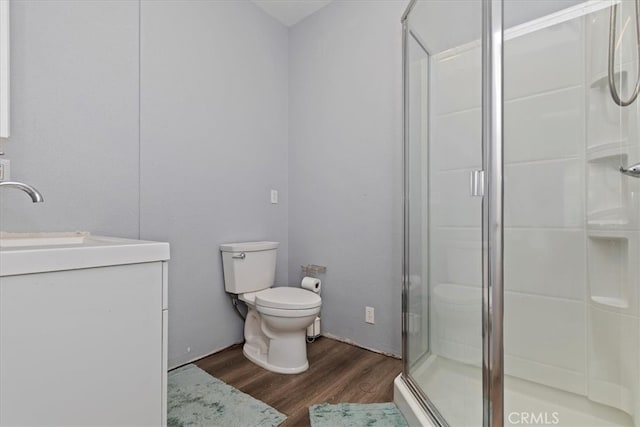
(83, 330)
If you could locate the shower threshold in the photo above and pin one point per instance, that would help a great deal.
(455, 388)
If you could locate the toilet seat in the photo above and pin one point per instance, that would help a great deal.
(248, 297)
(281, 312)
(286, 298)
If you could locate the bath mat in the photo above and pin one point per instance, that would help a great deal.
(356, 415)
(195, 398)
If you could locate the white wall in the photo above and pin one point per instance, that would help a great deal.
(74, 117)
(345, 133)
(213, 143)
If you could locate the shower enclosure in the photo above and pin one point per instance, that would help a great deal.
(521, 294)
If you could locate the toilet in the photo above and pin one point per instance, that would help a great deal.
(277, 318)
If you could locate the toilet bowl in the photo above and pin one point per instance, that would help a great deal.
(277, 318)
(276, 326)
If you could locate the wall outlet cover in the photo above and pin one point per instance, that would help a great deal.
(369, 315)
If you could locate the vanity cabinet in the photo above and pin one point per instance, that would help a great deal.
(84, 346)
(4, 68)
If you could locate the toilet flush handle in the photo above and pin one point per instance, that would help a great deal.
(241, 255)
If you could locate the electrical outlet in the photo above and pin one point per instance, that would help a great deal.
(5, 170)
(369, 315)
(274, 196)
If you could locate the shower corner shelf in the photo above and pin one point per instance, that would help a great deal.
(608, 219)
(612, 302)
(610, 270)
(607, 203)
(603, 80)
(617, 148)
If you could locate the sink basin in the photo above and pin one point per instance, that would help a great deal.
(15, 240)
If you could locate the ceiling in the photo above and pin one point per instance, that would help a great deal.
(290, 12)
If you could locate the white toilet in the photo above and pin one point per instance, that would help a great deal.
(276, 323)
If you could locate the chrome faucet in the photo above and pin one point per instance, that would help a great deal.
(35, 195)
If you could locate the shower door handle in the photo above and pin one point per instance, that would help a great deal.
(633, 170)
(476, 183)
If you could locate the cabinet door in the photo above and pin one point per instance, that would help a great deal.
(82, 347)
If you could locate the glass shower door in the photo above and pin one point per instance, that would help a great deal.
(443, 223)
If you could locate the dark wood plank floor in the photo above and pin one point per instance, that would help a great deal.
(338, 372)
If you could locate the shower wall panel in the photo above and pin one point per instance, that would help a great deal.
(612, 220)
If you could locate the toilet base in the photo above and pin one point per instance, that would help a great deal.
(276, 343)
(260, 359)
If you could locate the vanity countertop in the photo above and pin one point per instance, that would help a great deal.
(26, 253)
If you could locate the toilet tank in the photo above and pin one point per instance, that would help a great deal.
(248, 266)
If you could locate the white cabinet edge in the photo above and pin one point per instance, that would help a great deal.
(165, 340)
(165, 285)
(4, 68)
(165, 364)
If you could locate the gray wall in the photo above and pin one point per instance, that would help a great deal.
(213, 144)
(213, 89)
(74, 117)
(345, 135)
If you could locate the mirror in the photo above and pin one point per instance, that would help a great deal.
(4, 68)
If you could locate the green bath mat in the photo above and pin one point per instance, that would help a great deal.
(356, 415)
(195, 398)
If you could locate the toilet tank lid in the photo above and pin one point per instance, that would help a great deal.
(248, 246)
(287, 298)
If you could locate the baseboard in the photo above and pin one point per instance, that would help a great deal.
(195, 359)
(351, 342)
(326, 335)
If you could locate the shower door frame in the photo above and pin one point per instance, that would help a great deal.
(407, 35)
(492, 217)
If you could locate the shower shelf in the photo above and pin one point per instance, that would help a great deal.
(611, 269)
(607, 218)
(611, 302)
(610, 219)
(608, 149)
(607, 195)
(603, 81)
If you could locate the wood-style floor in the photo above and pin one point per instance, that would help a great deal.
(338, 372)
